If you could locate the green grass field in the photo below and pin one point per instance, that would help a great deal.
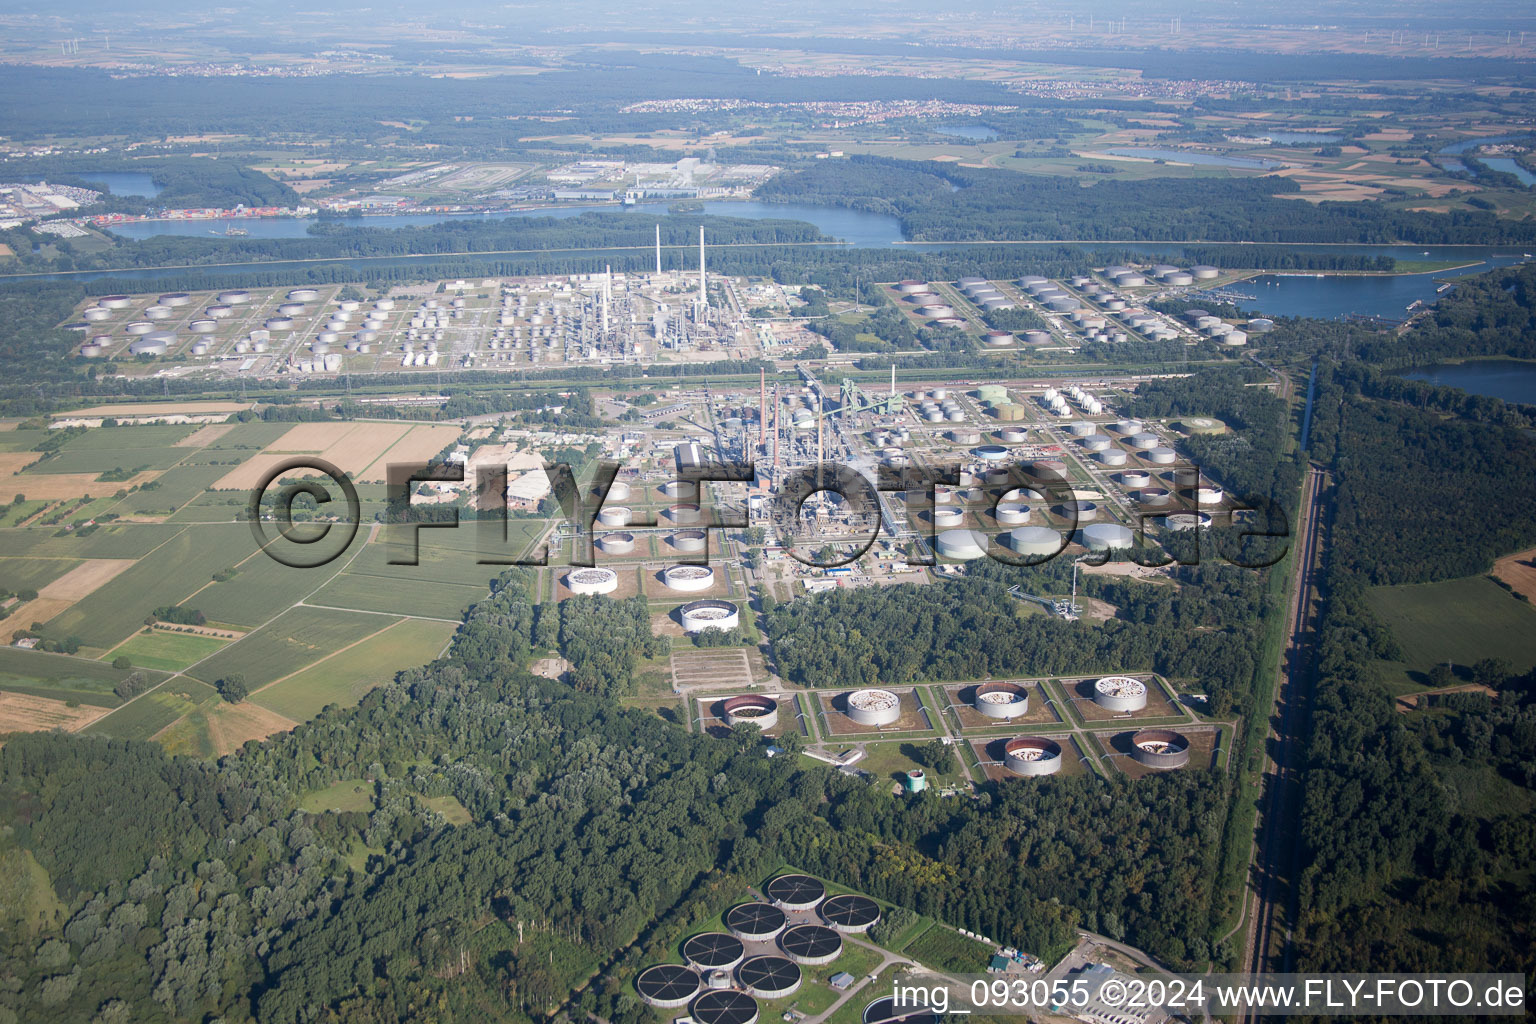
(344, 679)
(60, 676)
(146, 715)
(413, 597)
(170, 652)
(949, 950)
(166, 576)
(297, 638)
(173, 489)
(1461, 621)
(346, 795)
(18, 574)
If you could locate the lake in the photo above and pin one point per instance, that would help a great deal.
(124, 183)
(1202, 159)
(1508, 166)
(852, 226)
(974, 132)
(1497, 378)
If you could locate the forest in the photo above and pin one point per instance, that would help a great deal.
(160, 888)
(945, 202)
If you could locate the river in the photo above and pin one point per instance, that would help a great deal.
(1508, 379)
(1276, 295)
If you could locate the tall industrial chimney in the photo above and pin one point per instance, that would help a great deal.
(703, 295)
(762, 405)
(658, 250)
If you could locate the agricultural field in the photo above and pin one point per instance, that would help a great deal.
(294, 640)
(167, 651)
(1458, 621)
(344, 677)
(61, 677)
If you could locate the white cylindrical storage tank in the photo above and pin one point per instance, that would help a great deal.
(592, 581)
(1112, 457)
(1083, 511)
(1135, 478)
(684, 513)
(291, 308)
(688, 579)
(753, 709)
(147, 346)
(1202, 272)
(680, 488)
(115, 301)
(618, 491)
(697, 616)
(617, 543)
(1032, 756)
(911, 287)
(235, 297)
(1154, 496)
(1012, 514)
(1146, 440)
(1234, 339)
(1002, 701)
(1097, 442)
(175, 299)
(303, 295)
(690, 541)
(1181, 522)
(327, 338)
(219, 310)
(1180, 279)
(1208, 494)
(96, 314)
(874, 707)
(617, 515)
(947, 517)
(1037, 337)
(1080, 428)
(199, 348)
(278, 323)
(138, 327)
(90, 350)
(1106, 537)
(1013, 435)
(1035, 541)
(1120, 693)
(384, 305)
(1161, 456)
(961, 545)
(1129, 426)
(158, 312)
(203, 326)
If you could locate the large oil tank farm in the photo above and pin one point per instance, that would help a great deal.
(1160, 748)
(697, 616)
(1032, 755)
(592, 581)
(1001, 700)
(874, 707)
(752, 709)
(1120, 693)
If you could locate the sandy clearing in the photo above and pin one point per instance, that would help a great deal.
(249, 473)
(205, 436)
(14, 462)
(419, 445)
(155, 408)
(85, 578)
(66, 485)
(1519, 571)
(309, 437)
(231, 726)
(23, 712)
(40, 610)
(361, 446)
